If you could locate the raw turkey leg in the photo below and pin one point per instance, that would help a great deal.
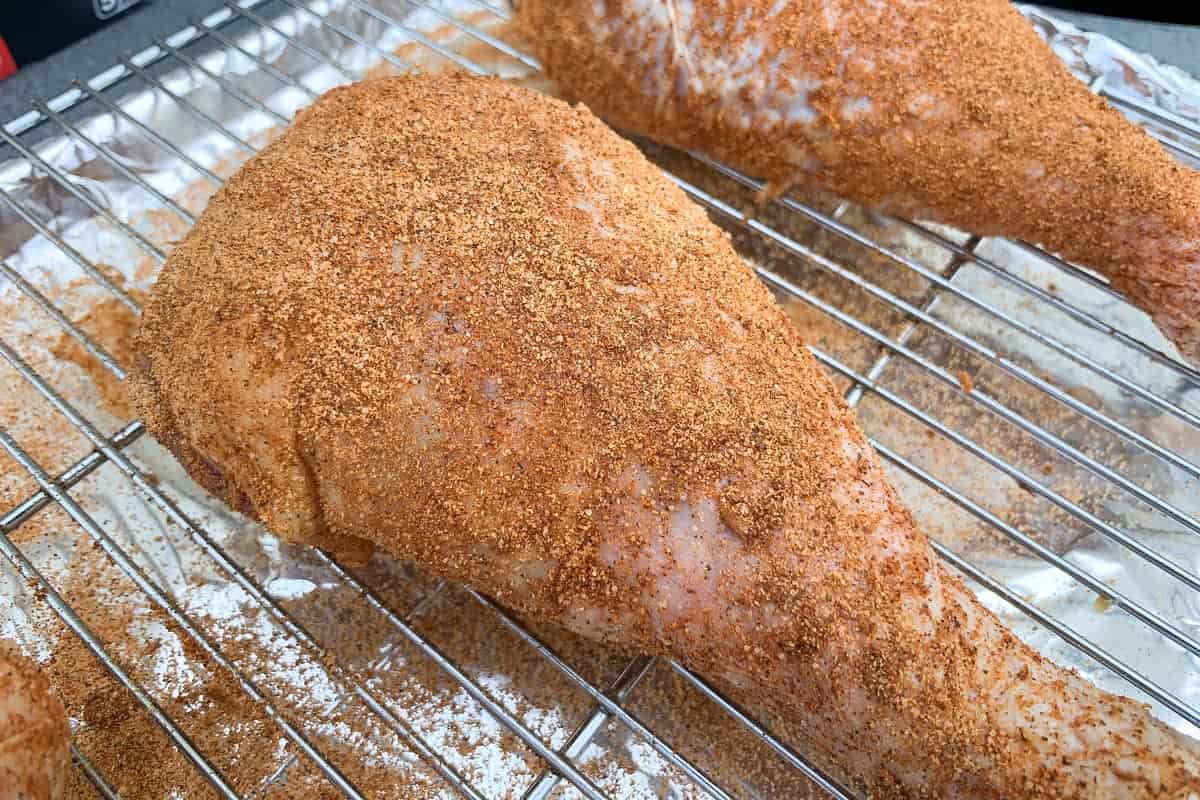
(468, 324)
(953, 110)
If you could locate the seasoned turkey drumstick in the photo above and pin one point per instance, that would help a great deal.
(953, 110)
(469, 324)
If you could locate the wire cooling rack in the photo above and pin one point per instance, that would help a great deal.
(1044, 433)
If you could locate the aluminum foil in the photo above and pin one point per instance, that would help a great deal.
(215, 129)
(1092, 56)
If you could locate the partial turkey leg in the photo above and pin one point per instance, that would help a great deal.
(953, 110)
(35, 738)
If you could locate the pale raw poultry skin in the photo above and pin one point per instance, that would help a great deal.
(950, 110)
(470, 325)
(34, 736)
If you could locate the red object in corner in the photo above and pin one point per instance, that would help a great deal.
(7, 64)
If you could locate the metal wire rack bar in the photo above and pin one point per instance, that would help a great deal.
(491, 8)
(93, 643)
(94, 776)
(145, 584)
(189, 107)
(619, 690)
(810, 770)
(661, 746)
(288, 80)
(725, 209)
(91, 347)
(233, 571)
(417, 36)
(280, 76)
(482, 36)
(561, 765)
(292, 41)
(609, 704)
(379, 665)
(929, 302)
(34, 159)
(88, 267)
(369, 11)
(992, 311)
(870, 384)
(1158, 356)
(391, 58)
(146, 130)
(116, 73)
(249, 101)
(1158, 115)
(115, 162)
(72, 475)
(1093, 279)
